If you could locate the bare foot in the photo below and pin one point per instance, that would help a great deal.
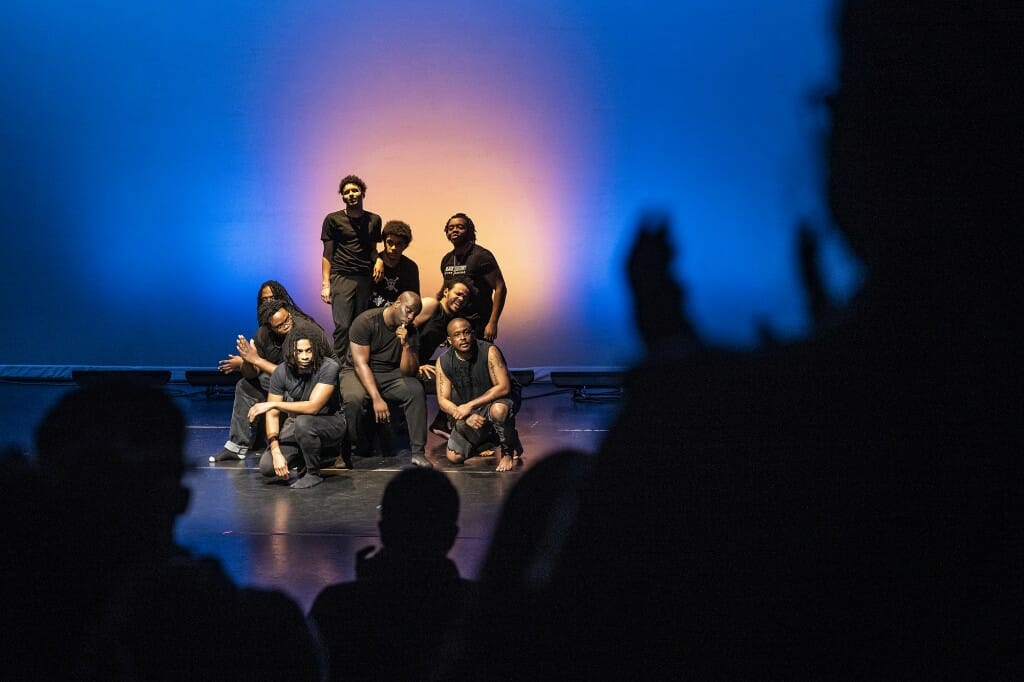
(486, 452)
(454, 457)
(507, 463)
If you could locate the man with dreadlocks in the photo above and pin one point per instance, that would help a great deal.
(305, 388)
(268, 290)
(259, 358)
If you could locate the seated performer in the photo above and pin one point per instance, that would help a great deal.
(263, 357)
(480, 397)
(305, 388)
(432, 332)
(268, 290)
(382, 367)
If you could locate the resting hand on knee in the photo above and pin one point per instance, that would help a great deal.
(498, 412)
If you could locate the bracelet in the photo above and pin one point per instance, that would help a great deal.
(271, 439)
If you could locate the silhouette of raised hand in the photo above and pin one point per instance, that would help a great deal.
(657, 296)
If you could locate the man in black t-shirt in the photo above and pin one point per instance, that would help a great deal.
(394, 272)
(350, 237)
(305, 388)
(479, 265)
(382, 367)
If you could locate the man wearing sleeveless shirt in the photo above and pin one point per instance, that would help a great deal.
(476, 391)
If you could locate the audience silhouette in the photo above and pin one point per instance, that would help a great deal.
(841, 507)
(125, 602)
(390, 622)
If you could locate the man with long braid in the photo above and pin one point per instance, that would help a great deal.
(305, 388)
(480, 397)
(259, 357)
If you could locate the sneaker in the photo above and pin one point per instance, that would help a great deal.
(226, 455)
(421, 461)
(307, 481)
(439, 427)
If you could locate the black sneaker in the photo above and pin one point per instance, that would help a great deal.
(421, 461)
(439, 427)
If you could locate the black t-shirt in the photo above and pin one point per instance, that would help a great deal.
(404, 277)
(476, 264)
(295, 387)
(350, 243)
(369, 329)
(432, 334)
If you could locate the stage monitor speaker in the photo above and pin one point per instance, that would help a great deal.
(591, 386)
(523, 376)
(141, 377)
(212, 379)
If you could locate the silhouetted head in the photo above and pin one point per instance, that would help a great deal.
(538, 515)
(923, 145)
(114, 452)
(419, 514)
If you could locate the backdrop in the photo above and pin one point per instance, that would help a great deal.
(161, 159)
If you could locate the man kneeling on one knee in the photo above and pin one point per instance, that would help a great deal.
(305, 388)
(476, 391)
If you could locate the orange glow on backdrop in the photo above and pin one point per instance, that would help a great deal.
(433, 133)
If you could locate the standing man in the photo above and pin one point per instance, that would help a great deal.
(382, 366)
(479, 396)
(393, 272)
(350, 237)
(479, 264)
(305, 388)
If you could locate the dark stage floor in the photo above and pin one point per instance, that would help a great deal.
(300, 541)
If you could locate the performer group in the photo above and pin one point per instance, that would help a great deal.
(315, 400)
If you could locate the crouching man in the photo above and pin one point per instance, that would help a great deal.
(480, 397)
(305, 388)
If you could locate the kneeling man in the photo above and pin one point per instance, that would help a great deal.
(305, 388)
(476, 391)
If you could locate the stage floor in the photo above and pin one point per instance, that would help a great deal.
(299, 541)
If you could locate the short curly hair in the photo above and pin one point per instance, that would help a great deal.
(351, 180)
(397, 228)
(470, 227)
